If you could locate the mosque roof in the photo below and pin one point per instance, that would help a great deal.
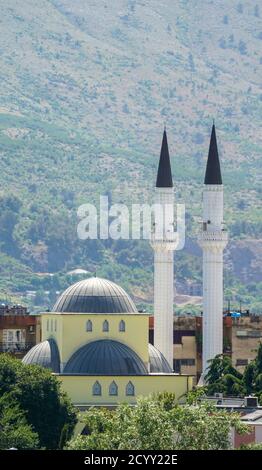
(157, 361)
(105, 357)
(45, 354)
(95, 295)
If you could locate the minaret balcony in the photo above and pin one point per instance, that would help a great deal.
(218, 235)
(164, 243)
(217, 239)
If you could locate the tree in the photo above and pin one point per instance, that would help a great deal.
(223, 377)
(14, 430)
(249, 377)
(253, 446)
(157, 423)
(38, 394)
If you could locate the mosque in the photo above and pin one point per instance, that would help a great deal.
(95, 340)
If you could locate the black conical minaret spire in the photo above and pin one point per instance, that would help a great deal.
(164, 174)
(213, 173)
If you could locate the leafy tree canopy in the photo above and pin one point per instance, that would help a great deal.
(223, 377)
(37, 393)
(14, 429)
(156, 423)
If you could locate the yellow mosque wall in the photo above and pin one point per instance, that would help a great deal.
(69, 331)
(79, 388)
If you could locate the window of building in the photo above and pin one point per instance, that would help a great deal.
(113, 388)
(47, 325)
(188, 362)
(105, 326)
(177, 363)
(179, 334)
(122, 326)
(97, 390)
(52, 325)
(130, 389)
(177, 366)
(89, 326)
(241, 362)
(55, 325)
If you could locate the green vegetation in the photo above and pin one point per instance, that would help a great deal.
(69, 131)
(14, 429)
(34, 412)
(157, 423)
(223, 377)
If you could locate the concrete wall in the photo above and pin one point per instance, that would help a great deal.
(246, 336)
(69, 330)
(79, 387)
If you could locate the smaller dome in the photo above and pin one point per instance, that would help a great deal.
(44, 354)
(157, 361)
(94, 295)
(105, 357)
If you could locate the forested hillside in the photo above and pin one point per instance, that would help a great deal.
(86, 88)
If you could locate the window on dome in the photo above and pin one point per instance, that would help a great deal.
(55, 325)
(47, 325)
(89, 326)
(97, 390)
(52, 325)
(105, 326)
(113, 389)
(122, 326)
(130, 389)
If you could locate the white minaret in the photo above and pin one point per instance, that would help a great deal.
(213, 240)
(163, 245)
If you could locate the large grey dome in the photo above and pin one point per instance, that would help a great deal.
(105, 357)
(94, 295)
(157, 361)
(44, 354)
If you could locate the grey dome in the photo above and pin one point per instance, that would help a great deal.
(157, 361)
(105, 357)
(44, 354)
(94, 295)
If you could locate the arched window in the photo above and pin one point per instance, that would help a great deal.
(97, 390)
(105, 326)
(122, 326)
(47, 325)
(130, 389)
(113, 388)
(89, 326)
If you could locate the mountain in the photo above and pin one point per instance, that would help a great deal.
(86, 88)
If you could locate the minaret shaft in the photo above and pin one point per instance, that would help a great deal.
(212, 302)
(164, 279)
(213, 240)
(163, 304)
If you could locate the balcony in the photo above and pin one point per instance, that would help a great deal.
(214, 236)
(15, 348)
